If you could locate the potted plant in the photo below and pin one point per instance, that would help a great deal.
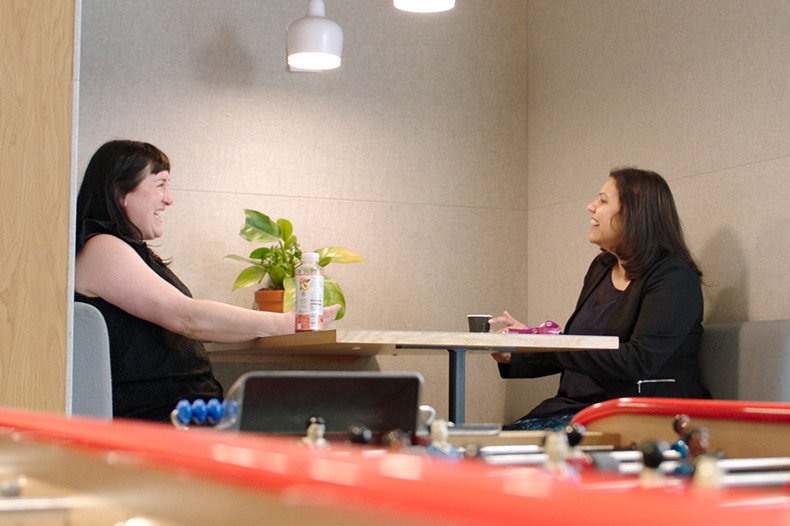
(278, 261)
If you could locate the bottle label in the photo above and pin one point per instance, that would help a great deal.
(309, 302)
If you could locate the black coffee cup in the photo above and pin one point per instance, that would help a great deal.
(479, 322)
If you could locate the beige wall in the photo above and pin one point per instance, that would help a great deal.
(36, 45)
(696, 90)
(412, 153)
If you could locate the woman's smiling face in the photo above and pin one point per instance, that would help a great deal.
(145, 205)
(606, 226)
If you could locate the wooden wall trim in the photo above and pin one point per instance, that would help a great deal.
(36, 45)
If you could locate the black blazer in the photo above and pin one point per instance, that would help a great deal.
(658, 320)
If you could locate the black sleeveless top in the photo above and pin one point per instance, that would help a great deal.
(578, 390)
(152, 368)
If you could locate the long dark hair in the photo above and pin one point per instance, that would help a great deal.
(651, 225)
(115, 170)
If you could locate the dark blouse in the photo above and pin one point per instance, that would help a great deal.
(578, 390)
(658, 320)
(152, 368)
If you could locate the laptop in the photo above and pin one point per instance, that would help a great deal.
(282, 402)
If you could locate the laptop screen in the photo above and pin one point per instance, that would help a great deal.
(282, 402)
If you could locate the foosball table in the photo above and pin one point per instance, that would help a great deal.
(629, 461)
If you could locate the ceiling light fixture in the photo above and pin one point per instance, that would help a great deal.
(424, 6)
(314, 43)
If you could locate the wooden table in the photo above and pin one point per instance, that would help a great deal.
(352, 342)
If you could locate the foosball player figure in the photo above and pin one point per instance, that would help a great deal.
(576, 457)
(698, 442)
(360, 434)
(397, 440)
(555, 445)
(682, 425)
(694, 445)
(314, 437)
(708, 473)
(651, 475)
(13, 486)
(440, 446)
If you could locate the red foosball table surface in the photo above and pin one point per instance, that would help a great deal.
(203, 476)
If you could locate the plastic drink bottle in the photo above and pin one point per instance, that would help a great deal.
(309, 294)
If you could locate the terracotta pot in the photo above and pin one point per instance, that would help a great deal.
(269, 300)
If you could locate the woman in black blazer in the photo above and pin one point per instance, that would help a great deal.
(643, 288)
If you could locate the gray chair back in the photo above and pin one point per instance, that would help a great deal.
(747, 360)
(91, 392)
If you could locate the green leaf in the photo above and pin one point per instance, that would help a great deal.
(328, 255)
(289, 298)
(259, 228)
(333, 295)
(278, 275)
(286, 229)
(243, 259)
(260, 253)
(249, 276)
(291, 243)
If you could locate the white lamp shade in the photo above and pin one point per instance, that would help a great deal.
(424, 6)
(314, 43)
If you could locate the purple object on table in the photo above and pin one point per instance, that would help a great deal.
(547, 327)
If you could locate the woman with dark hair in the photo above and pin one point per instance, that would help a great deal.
(643, 288)
(155, 326)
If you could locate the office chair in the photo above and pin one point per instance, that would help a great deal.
(91, 379)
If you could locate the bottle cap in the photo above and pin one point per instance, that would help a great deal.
(310, 257)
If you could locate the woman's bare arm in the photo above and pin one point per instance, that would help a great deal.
(109, 268)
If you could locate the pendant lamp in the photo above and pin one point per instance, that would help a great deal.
(424, 6)
(314, 43)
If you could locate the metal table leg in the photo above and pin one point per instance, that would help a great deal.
(457, 384)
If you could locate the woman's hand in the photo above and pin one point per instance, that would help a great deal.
(507, 319)
(511, 323)
(502, 357)
(330, 313)
(288, 319)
